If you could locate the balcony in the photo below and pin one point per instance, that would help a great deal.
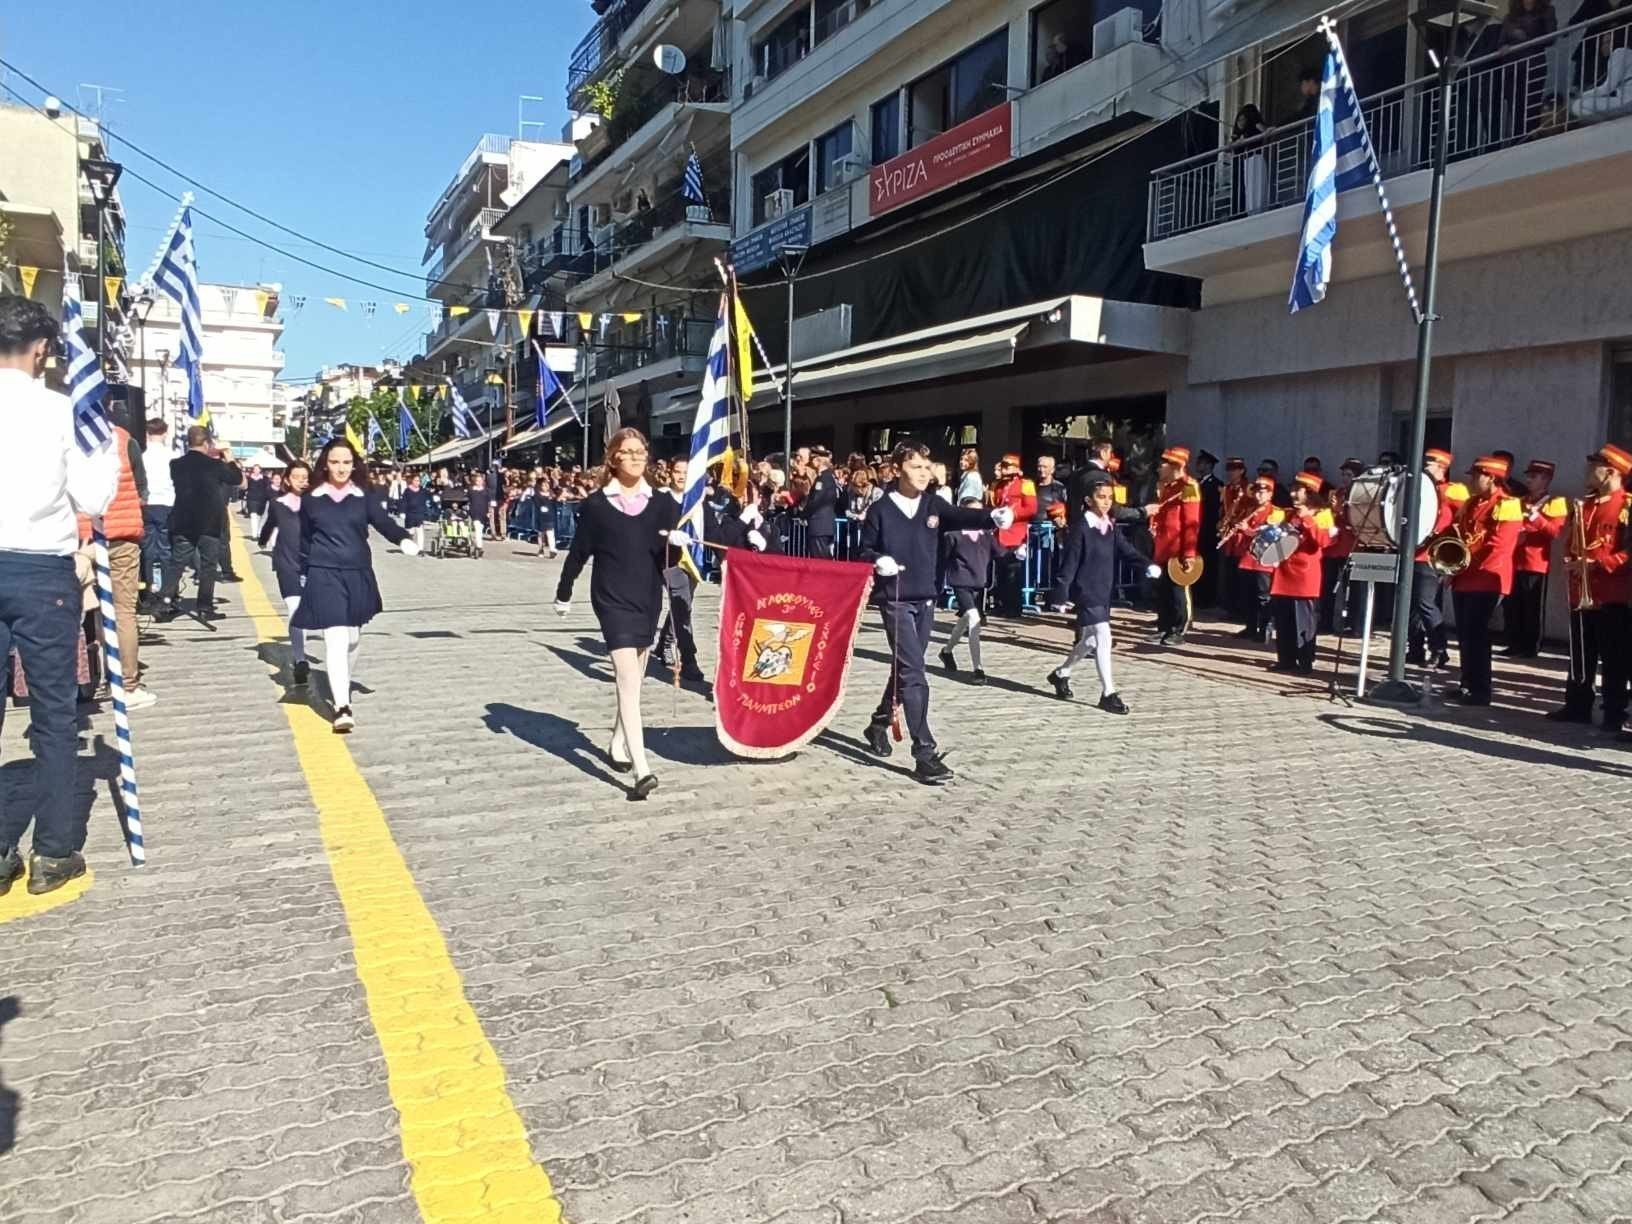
(470, 326)
(661, 237)
(629, 29)
(490, 150)
(674, 348)
(638, 127)
(1540, 146)
(476, 232)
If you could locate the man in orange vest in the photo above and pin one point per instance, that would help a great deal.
(1488, 523)
(122, 525)
(1175, 522)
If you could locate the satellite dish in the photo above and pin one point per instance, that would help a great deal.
(669, 58)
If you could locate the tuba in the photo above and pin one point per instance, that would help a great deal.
(1448, 553)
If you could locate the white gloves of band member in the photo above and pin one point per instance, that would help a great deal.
(756, 541)
(563, 606)
(1021, 552)
(886, 567)
(751, 515)
(1153, 571)
(409, 548)
(1002, 518)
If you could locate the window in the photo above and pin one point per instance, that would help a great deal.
(1062, 33)
(960, 90)
(886, 128)
(785, 45)
(829, 149)
(791, 173)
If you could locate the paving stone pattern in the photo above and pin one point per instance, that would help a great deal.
(1245, 955)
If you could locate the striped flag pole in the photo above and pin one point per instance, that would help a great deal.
(116, 686)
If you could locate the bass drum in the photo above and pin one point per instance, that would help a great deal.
(1377, 500)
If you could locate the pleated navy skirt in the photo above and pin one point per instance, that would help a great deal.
(334, 597)
(288, 581)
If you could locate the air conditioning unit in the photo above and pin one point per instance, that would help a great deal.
(849, 167)
(1118, 30)
(752, 87)
(779, 203)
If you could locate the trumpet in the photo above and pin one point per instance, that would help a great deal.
(1576, 556)
(1448, 553)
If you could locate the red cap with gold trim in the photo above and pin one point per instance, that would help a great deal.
(1263, 482)
(1490, 465)
(1177, 454)
(1612, 456)
(1313, 481)
(1435, 455)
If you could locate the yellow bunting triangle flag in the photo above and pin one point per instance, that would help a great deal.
(526, 318)
(29, 275)
(354, 439)
(338, 303)
(262, 297)
(456, 311)
(630, 316)
(402, 308)
(111, 284)
(586, 320)
(441, 393)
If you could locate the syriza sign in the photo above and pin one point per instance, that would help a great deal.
(966, 150)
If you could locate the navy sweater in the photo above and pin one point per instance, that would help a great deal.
(968, 562)
(284, 520)
(629, 551)
(334, 534)
(913, 542)
(1087, 570)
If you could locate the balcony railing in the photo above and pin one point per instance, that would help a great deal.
(1578, 75)
(655, 342)
(596, 48)
(629, 236)
(772, 58)
(478, 230)
(635, 114)
(477, 302)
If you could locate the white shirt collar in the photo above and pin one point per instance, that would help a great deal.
(1099, 524)
(907, 505)
(613, 489)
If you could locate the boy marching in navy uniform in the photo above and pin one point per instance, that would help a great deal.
(967, 557)
(1488, 523)
(1545, 517)
(1175, 522)
(1600, 571)
(901, 537)
(1086, 577)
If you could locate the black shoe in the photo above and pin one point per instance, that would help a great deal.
(1415, 658)
(209, 615)
(643, 788)
(49, 874)
(878, 739)
(977, 677)
(1166, 638)
(11, 870)
(303, 673)
(344, 721)
(1176, 638)
(1112, 703)
(1614, 726)
(620, 766)
(949, 660)
(932, 772)
(1566, 714)
(229, 576)
(692, 674)
(1062, 685)
(1467, 697)
(1625, 735)
(166, 613)
(1442, 659)
(1286, 669)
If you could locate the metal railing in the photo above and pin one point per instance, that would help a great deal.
(634, 114)
(820, 30)
(677, 338)
(595, 50)
(1580, 74)
(631, 235)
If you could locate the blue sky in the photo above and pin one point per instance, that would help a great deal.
(341, 120)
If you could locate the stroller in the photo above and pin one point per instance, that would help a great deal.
(457, 535)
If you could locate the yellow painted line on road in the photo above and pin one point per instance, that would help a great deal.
(461, 1134)
(20, 903)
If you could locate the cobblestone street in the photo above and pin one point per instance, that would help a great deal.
(1249, 954)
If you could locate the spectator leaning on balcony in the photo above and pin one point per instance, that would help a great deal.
(1249, 158)
(44, 479)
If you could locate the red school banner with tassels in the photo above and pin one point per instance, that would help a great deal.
(787, 629)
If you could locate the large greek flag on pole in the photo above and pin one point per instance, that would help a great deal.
(86, 387)
(710, 431)
(1342, 158)
(176, 276)
(464, 420)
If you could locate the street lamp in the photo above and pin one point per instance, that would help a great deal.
(102, 176)
(793, 258)
(1452, 15)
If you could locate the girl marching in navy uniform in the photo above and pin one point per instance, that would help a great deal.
(283, 520)
(339, 594)
(1086, 577)
(967, 562)
(901, 537)
(624, 529)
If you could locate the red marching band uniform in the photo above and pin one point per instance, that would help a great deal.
(1238, 544)
(1488, 525)
(1545, 517)
(1294, 590)
(1600, 573)
(1176, 530)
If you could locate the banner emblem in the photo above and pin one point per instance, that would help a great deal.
(779, 652)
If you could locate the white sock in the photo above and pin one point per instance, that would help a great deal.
(1102, 658)
(973, 617)
(337, 663)
(297, 637)
(628, 670)
(1080, 650)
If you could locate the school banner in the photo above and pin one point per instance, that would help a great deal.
(787, 629)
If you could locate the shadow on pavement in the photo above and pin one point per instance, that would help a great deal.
(552, 734)
(19, 786)
(11, 1104)
(934, 669)
(1445, 737)
(594, 667)
(855, 750)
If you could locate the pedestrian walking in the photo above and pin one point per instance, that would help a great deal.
(283, 522)
(198, 523)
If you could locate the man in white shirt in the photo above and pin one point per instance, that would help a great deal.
(161, 496)
(44, 480)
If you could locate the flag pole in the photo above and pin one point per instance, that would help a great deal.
(115, 668)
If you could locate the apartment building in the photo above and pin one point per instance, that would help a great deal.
(472, 272)
(651, 82)
(242, 364)
(1533, 347)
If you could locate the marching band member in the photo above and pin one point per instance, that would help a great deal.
(1294, 592)
(1545, 517)
(1427, 630)
(901, 537)
(1252, 574)
(1175, 522)
(1596, 556)
(1015, 490)
(1087, 577)
(1235, 503)
(1488, 524)
(1212, 511)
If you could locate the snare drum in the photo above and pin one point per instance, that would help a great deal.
(1272, 545)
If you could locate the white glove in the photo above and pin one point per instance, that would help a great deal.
(1020, 552)
(756, 541)
(1153, 571)
(563, 606)
(409, 548)
(1057, 607)
(1002, 518)
(886, 567)
(681, 539)
(751, 515)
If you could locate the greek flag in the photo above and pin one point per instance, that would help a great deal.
(85, 383)
(710, 435)
(692, 188)
(464, 420)
(176, 277)
(375, 433)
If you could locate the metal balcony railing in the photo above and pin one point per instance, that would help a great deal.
(656, 341)
(476, 231)
(596, 49)
(1580, 74)
(771, 58)
(628, 237)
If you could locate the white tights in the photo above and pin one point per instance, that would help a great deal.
(628, 737)
(339, 659)
(297, 637)
(1093, 640)
(968, 626)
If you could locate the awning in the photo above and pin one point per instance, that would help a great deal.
(453, 449)
(957, 355)
(534, 436)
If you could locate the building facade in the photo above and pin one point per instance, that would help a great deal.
(242, 363)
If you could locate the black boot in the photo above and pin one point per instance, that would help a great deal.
(1062, 684)
(49, 874)
(877, 736)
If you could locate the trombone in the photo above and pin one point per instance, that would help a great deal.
(1575, 557)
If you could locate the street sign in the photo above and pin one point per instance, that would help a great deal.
(763, 246)
(1372, 566)
(670, 59)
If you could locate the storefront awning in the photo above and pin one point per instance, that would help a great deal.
(958, 355)
(561, 416)
(452, 450)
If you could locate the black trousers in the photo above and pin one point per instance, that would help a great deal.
(201, 555)
(1206, 593)
(1427, 621)
(1600, 640)
(908, 626)
(821, 546)
(1522, 611)
(1011, 572)
(1296, 624)
(1473, 612)
(677, 628)
(1229, 586)
(1172, 605)
(1255, 584)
